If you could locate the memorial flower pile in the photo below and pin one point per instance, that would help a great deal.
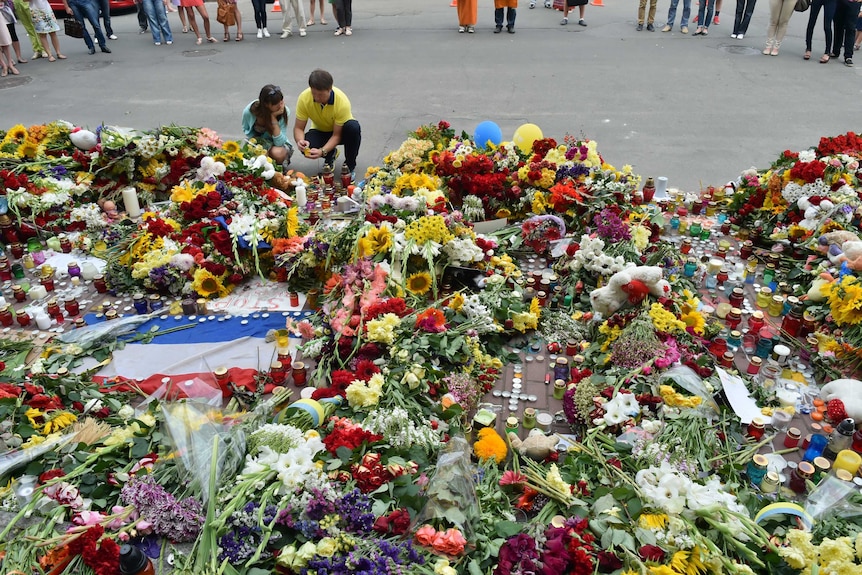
(382, 467)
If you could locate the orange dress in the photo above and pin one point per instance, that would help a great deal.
(505, 3)
(467, 12)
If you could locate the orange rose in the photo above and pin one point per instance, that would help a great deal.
(450, 542)
(426, 535)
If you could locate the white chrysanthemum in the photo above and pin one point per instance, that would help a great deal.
(807, 156)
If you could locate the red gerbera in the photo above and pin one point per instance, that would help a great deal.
(431, 320)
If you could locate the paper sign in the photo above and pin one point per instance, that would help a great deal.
(739, 398)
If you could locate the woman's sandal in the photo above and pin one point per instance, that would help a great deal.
(807, 55)
(185, 30)
(323, 22)
(310, 23)
(211, 40)
(824, 58)
(198, 41)
(227, 37)
(338, 32)
(239, 36)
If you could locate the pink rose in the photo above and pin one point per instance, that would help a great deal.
(450, 542)
(426, 535)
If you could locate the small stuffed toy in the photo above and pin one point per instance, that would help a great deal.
(849, 391)
(842, 246)
(537, 446)
(631, 286)
(83, 139)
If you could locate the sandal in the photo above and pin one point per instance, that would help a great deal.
(3, 73)
(227, 37)
(323, 22)
(22, 61)
(348, 31)
(198, 41)
(239, 36)
(338, 32)
(14, 70)
(310, 23)
(185, 30)
(51, 58)
(824, 58)
(211, 40)
(807, 55)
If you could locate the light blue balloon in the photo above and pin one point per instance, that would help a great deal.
(485, 132)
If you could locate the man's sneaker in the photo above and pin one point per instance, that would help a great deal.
(302, 33)
(142, 31)
(667, 28)
(548, 4)
(650, 27)
(532, 4)
(265, 33)
(640, 26)
(564, 21)
(684, 30)
(740, 36)
(285, 34)
(848, 62)
(581, 22)
(259, 33)
(113, 36)
(715, 20)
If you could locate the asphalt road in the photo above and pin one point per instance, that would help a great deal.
(695, 109)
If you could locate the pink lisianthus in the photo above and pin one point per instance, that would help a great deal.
(510, 477)
(88, 518)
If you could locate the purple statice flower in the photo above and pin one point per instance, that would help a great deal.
(244, 532)
(610, 226)
(381, 557)
(464, 389)
(573, 172)
(354, 508)
(632, 353)
(176, 520)
(319, 507)
(224, 190)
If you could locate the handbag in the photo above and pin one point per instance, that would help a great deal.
(73, 28)
(225, 14)
(802, 5)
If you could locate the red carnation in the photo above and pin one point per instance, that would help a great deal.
(651, 553)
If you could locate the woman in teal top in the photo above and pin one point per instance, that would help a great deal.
(265, 120)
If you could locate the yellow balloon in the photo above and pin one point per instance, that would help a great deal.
(525, 136)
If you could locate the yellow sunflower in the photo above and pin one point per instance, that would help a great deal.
(419, 283)
(18, 132)
(652, 520)
(231, 147)
(291, 221)
(694, 320)
(28, 149)
(376, 241)
(208, 285)
(457, 302)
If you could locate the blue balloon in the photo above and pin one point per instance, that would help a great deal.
(487, 131)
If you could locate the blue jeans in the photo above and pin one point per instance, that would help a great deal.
(706, 6)
(157, 16)
(686, 12)
(90, 10)
(105, 9)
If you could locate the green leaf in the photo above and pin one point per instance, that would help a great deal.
(344, 454)
(333, 465)
(634, 506)
(140, 447)
(507, 528)
(455, 516)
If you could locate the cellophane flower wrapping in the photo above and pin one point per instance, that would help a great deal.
(451, 503)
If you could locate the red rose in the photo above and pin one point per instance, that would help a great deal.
(399, 521)
(651, 553)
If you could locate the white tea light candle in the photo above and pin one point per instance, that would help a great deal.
(130, 201)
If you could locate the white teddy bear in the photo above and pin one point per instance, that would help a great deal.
(630, 285)
(84, 139)
(849, 391)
